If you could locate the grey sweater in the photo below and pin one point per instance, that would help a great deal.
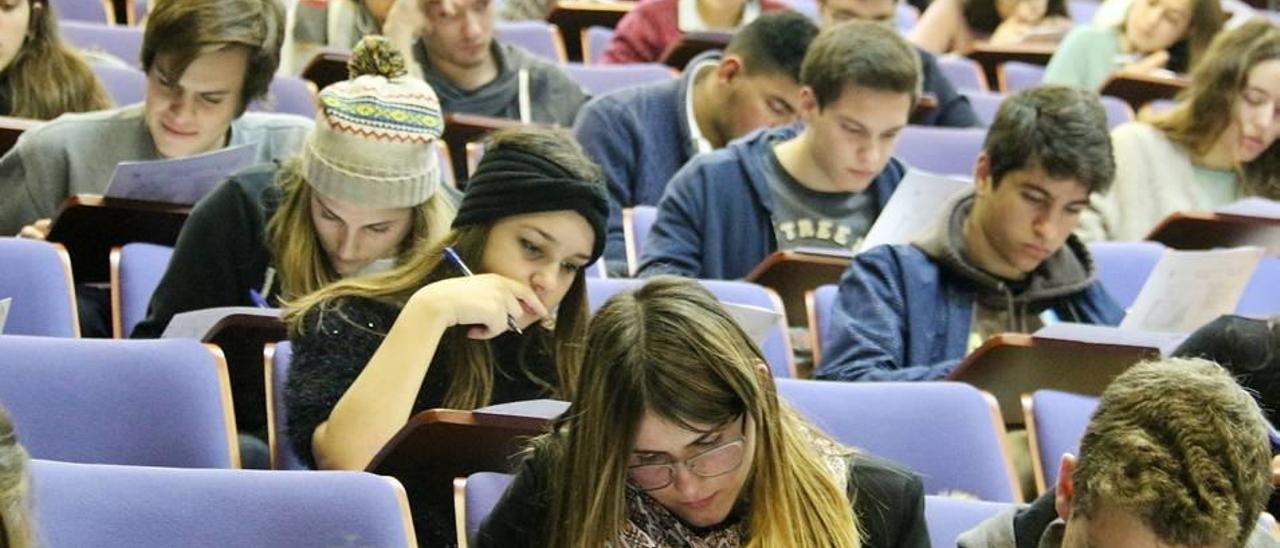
(554, 98)
(76, 154)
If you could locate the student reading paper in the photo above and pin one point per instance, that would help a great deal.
(364, 194)
(676, 437)
(997, 260)
(370, 352)
(205, 60)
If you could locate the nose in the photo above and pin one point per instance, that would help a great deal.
(470, 24)
(1048, 226)
(348, 246)
(545, 281)
(685, 482)
(181, 109)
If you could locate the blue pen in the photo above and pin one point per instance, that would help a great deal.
(258, 299)
(453, 258)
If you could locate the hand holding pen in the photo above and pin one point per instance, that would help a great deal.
(452, 257)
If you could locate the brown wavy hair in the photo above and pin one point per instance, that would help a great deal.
(668, 347)
(1182, 447)
(47, 77)
(1216, 85)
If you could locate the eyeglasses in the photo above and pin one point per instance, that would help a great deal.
(713, 462)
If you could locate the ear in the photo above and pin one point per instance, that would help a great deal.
(730, 67)
(982, 174)
(1065, 490)
(808, 105)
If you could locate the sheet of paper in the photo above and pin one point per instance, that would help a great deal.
(544, 408)
(1105, 334)
(194, 324)
(4, 311)
(1188, 289)
(1253, 207)
(179, 180)
(913, 207)
(758, 323)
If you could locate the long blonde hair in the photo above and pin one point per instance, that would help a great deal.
(47, 78)
(15, 522)
(669, 348)
(1216, 84)
(300, 262)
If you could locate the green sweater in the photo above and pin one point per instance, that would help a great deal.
(1085, 58)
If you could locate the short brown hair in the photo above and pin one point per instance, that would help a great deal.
(863, 54)
(187, 29)
(1181, 446)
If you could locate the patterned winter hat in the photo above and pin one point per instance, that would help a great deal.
(374, 140)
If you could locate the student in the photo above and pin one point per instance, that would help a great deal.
(652, 26)
(364, 194)
(16, 529)
(1217, 146)
(205, 60)
(642, 135)
(340, 24)
(948, 26)
(1001, 259)
(819, 185)
(456, 53)
(371, 352)
(1176, 454)
(40, 76)
(953, 109)
(676, 437)
(1156, 34)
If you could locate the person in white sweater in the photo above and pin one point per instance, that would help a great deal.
(1217, 146)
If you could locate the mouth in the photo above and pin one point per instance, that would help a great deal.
(700, 504)
(861, 174)
(1251, 144)
(1037, 252)
(175, 132)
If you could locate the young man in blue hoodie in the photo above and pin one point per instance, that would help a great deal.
(642, 135)
(1000, 259)
(817, 185)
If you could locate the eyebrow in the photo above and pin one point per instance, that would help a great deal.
(1029, 185)
(552, 239)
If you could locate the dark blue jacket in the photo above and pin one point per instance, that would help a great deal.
(953, 108)
(903, 314)
(640, 137)
(714, 221)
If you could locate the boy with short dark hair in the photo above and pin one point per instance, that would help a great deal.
(1000, 259)
(642, 135)
(822, 184)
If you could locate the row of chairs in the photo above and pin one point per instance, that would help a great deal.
(168, 403)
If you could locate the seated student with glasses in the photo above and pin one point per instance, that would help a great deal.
(676, 437)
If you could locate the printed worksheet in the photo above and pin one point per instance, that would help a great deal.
(180, 180)
(1188, 289)
(913, 207)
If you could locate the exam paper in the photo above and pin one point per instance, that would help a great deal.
(1188, 289)
(195, 324)
(915, 205)
(178, 180)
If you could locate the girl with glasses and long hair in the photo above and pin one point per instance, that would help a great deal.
(676, 437)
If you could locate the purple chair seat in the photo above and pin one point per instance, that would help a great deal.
(125, 85)
(941, 150)
(1262, 295)
(602, 79)
(147, 403)
(95, 11)
(288, 95)
(37, 276)
(964, 73)
(636, 223)
(595, 41)
(283, 457)
(136, 270)
(949, 517)
(1056, 422)
(1016, 76)
(950, 433)
(820, 301)
(108, 506)
(124, 43)
(481, 493)
(537, 37)
(1123, 267)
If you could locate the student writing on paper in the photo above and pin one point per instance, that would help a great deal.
(41, 77)
(364, 194)
(205, 60)
(996, 260)
(1176, 454)
(642, 135)
(16, 527)
(1215, 147)
(371, 352)
(821, 184)
(676, 437)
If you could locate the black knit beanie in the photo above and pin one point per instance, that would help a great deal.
(510, 181)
